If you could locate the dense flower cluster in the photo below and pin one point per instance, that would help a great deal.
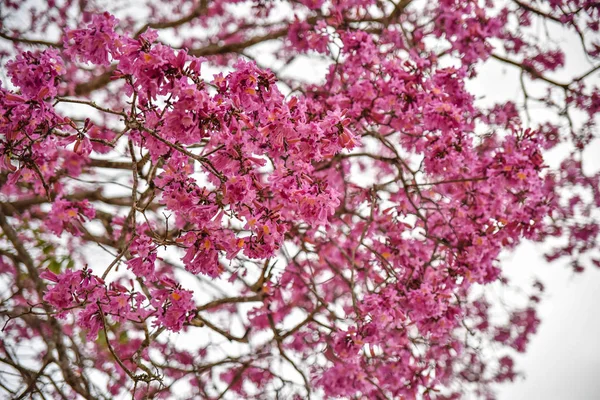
(336, 235)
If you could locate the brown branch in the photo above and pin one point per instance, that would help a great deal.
(91, 104)
(196, 12)
(33, 42)
(97, 82)
(229, 300)
(533, 10)
(199, 321)
(463, 180)
(76, 382)
(216, 48)
(10, 208)
(110, 348)
(32, 386)
(532, 71)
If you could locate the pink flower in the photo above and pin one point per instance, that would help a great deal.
(94, 43)
(37, 74)
(174, 306)
(69, 216)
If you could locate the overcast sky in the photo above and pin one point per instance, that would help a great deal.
(563, 359)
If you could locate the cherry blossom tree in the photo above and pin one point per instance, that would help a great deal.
(181, 218)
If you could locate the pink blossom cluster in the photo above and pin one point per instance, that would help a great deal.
(337, 232)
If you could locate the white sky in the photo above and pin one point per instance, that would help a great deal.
(563, 358)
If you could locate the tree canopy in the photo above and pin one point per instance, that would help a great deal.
(181, 217)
